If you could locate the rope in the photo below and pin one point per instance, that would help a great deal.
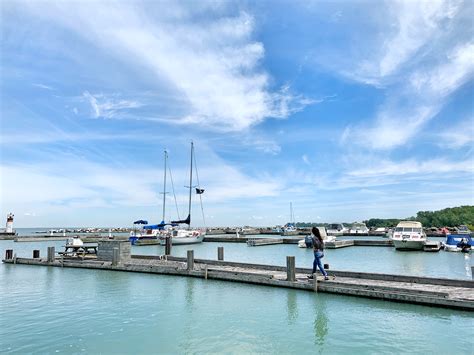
(172, 186)
(200, 195)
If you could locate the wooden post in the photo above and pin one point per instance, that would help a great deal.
(220, 253)
(9, 254)
(315, 282)
(168, 245)
(51, 252)
(472, 272)
(290, 269)
(36, 254)
(14, 258)
(115, 256)
(190, 260)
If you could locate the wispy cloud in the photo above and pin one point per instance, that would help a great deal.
(42, 86)
(417, 99)
(109, 107)
(457, 136)
(214, 65)
(412, 24)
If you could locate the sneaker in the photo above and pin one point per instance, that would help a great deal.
(310, 276)
(326, 278)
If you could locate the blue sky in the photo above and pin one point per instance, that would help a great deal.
(349, 110)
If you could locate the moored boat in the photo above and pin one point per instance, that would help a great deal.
(459, 242)
(187, 235)
(359, 229)
(337, 229)
(408, 235)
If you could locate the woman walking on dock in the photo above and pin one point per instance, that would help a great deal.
(318, 249)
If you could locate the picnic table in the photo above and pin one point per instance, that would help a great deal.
(79, 250)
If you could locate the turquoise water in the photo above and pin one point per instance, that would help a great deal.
(54, 310)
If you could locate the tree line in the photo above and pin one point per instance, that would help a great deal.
(448, 217)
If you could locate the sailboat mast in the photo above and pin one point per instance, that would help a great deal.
(190, 182)
(164, 187)
(291, 212)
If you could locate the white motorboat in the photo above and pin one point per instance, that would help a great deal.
(307, 242)
(184, 236)
(359, 228)
(408, 235)
(336, 229)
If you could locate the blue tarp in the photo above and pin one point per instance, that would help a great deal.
(155, 226)
(455, 239)
(140, 221)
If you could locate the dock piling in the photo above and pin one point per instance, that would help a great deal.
(168, 245)
(190, 260)
(51, 252)
(315, 282)
(36, 254)
(290, 268)
(220, 253)
(9, 254)
(115, 256)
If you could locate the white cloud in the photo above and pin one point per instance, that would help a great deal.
(410, 25)
(415, 103)
(215, 65)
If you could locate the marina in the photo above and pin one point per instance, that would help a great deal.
(234, 278)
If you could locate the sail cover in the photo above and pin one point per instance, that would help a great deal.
(155, 226)
(140, 221)
(184, 221)
(199, 191)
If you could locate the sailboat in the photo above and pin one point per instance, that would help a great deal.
(186, 235)
(290, 227)
(150, 233)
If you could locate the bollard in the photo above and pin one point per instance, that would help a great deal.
(326, 266)
(290, 268)
(190, 260)
(36, 254)
(168, 244)
(220, 253)
(51, 252)
(9, 254)
(115, 257)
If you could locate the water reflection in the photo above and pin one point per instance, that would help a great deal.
(292, 306)
(189, 294)
(467, 265)
(320, 324)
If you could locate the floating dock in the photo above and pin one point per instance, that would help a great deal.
(437, 292)
(263, 241)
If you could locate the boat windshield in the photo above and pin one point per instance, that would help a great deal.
(335, 226)
(417, 230)
(398, 229)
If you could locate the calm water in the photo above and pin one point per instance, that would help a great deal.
(53, 310)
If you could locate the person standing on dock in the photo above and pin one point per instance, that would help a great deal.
(318, 249)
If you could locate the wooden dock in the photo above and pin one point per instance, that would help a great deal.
(437, 292)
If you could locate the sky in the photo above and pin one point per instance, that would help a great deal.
(349, 110)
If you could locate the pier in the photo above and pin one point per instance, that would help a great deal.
(115, 256)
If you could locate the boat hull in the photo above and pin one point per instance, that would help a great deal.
(407, 244)
(184, 240)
